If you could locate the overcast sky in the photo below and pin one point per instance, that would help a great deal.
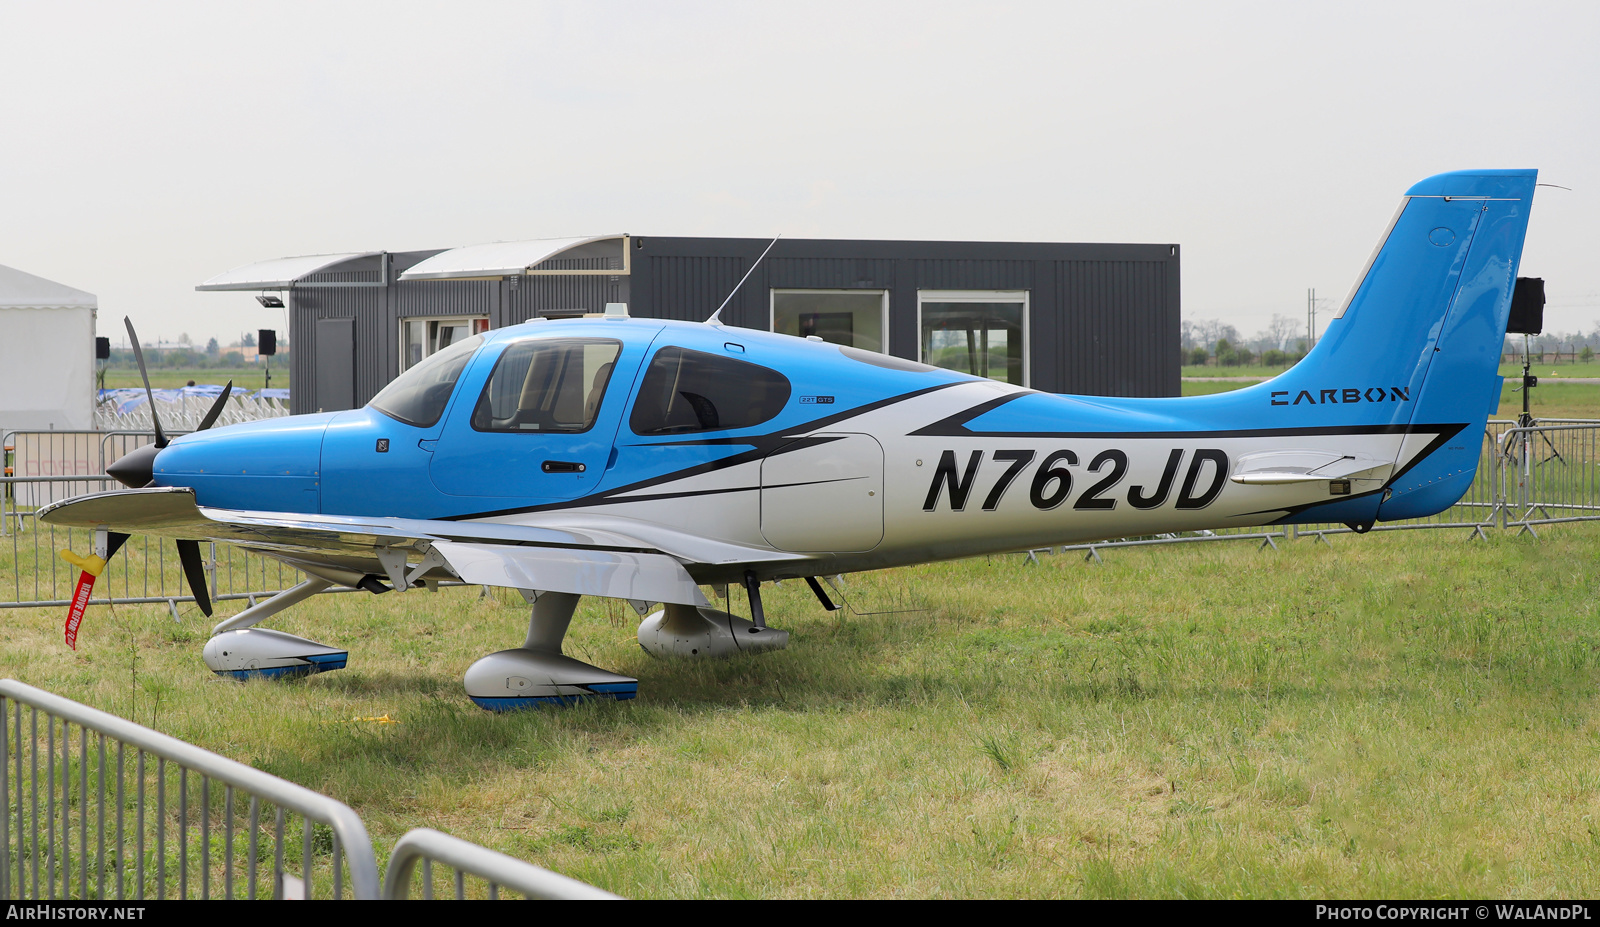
(147, 147)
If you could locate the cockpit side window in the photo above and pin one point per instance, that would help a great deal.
(687, 391)
(419, 396)
(547, 385)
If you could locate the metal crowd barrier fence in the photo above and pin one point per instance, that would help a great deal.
(1550, 473)
(97, 807)
(231, 835)
(68, 453)
(146, 570)
(427, 846)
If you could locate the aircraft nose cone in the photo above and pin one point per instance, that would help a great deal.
(136, 468)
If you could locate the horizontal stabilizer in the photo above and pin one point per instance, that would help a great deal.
(1297, 466)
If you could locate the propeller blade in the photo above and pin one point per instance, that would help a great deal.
(138, 355)
(216, 408)
(195, 573)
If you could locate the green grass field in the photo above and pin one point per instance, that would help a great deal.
(1582, 370)
(1404, 715)
(1252, 370)
(248, 378)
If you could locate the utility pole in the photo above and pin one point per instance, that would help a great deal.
(1311, 318)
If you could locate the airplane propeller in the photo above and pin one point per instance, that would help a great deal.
(194, 571)
(138, 355)
(136, 469)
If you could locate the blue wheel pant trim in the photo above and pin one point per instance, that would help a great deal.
(617, 691)
(316, 663)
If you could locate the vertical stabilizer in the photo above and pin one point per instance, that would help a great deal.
(1416, 346)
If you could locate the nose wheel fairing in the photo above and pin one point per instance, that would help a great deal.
(698, 633)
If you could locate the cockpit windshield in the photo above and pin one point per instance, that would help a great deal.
(418, 396)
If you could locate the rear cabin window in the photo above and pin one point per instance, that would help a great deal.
(687, 391)
(546, 386)
(418, 396)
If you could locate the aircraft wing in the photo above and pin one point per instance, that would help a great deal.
(596, 560)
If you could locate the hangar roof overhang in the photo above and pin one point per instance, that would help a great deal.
(278, 273)
(597, 254)
(539, 256)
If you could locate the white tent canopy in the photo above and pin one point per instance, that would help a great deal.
(46, 355)
(25, 291)
(278, 273)
(501, 258)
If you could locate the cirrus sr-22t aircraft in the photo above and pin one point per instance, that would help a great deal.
(643, 459)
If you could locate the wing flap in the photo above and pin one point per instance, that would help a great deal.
(617, 574)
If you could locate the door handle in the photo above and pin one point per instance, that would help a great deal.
(562, 466)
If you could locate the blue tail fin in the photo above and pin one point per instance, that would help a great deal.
(1418, 342)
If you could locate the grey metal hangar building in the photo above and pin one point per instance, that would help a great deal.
(1093, 319)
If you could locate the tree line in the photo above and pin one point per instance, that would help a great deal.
(188, 356)
(1282, 343)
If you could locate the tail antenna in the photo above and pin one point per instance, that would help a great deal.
(714, 316)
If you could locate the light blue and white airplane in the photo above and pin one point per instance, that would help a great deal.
(643, 459)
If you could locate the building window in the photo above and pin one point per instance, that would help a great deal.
(853, 318)
(421, 338)
(981, 332)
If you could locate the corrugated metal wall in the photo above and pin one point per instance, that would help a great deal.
(1107, 311)
(830, 273)
(974, 275)
(377, 312)
(1103, 324)
(363, 304)
(529, 297)
(1103, 319)
(690, 288)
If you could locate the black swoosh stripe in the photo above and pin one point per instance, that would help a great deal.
(783, 440)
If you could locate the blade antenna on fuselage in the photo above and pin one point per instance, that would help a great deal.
(714, 316)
